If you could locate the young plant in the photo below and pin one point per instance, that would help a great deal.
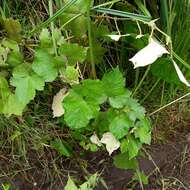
(88, 185)
(105, 109)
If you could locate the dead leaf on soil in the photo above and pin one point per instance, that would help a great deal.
(57, 107)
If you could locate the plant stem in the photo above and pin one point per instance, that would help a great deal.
(93, 70)
(51, 19)
(52, 27)
(169, 104)
(139, 178)
(136, 77)
(70, 20)
(184, 63)
(140, 83)
(105, 4)
(150, 91)
(162, 94)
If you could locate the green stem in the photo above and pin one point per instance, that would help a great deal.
(184, 63)
(123, 14)
(164, 15)
(137, 77)
(169, 104)
(52, 27)
(140, 83)
(150, 91)
(70, 20)
(93, 70)
(51, 19)
(2, 13)
(142, 7)
(139, 178)
(162, 94)
(105, 4)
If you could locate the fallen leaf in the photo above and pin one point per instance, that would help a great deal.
(57, 107)
(110, 141)
(94, 139)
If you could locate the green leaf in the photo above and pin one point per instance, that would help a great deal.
(12, 28)
(70, 185)
(101, 122)
(77, 111)
(11, 44)
(80, 7)
(99, 30)
(45, 65)
(14, 56)
(75, 25)
(164, 69)
(45, 39)
(120, 101)
(70, 75)
(15, 135)
(130, 145)
(61, 147)
(122, 161)
(90, 184)
(120, 125)
(13, 106)
(3, 55)
(143, 131)
(94, 108)
(98, 52)
(6, 186)
(93, 147)
(134, 109)
(92, 91)
(4, 88)
(73, 52)
(113, 83)
(4, 92)
(26, 83)
(140, 176)
(9, 103)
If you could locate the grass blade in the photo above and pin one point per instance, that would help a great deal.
(164, 15)
(123, 14)
(107, 3)
(91, 42)
(142, 8)
(51, 19)
(184, 63)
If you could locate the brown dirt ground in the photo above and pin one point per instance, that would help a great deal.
(168, 165)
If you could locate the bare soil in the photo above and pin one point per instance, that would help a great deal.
(167, 165)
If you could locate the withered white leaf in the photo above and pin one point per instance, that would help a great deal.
(114, 37)
(148, 54)
(94, 139)
(57, 107)
(180, 74)
(110, 141)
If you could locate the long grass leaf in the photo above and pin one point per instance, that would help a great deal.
(51, 19)
(142, 8)
(184, 63)
(164, 14)
(123, 14)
